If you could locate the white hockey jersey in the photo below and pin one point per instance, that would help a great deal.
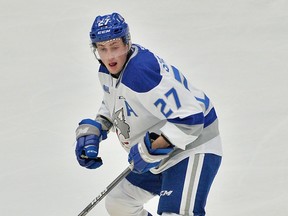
(151, 95)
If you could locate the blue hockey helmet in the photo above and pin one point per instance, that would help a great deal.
(109, 27)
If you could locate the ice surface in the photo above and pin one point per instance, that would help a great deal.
(236, 51)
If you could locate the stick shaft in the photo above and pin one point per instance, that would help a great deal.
(105, 192)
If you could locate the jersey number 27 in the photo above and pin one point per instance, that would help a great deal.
(161, 102)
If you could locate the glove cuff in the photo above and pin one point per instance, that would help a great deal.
(146, 156)
(105, 122)
(90, 127)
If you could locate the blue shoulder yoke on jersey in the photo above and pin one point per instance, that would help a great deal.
(103, 69)
(142, 72)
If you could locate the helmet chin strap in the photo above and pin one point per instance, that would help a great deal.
(93, 47)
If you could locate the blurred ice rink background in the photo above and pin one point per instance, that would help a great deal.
(236, 51)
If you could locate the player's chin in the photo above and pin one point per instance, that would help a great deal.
(114, 69)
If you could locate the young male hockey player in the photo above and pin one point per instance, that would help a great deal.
(167, 126)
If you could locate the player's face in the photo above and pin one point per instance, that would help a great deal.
(113, 54)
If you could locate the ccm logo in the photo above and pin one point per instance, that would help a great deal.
(165, 193)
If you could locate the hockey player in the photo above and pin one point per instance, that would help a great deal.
(168, 127)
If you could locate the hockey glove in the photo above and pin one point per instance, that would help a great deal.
(144, 157)
(88, 135)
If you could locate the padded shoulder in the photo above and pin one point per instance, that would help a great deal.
(142, 72)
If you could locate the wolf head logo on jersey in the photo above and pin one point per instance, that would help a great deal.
(122, 128)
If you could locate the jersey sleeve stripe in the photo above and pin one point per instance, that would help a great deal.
(196, 119)
(210, 118)
(189, 120)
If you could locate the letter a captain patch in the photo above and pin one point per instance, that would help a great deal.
(129, 109)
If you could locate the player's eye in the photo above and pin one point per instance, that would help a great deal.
(114, 48)
(102, 49)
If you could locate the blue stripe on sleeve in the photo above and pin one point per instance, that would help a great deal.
(210, 117)
(189, 120)
(196, 119)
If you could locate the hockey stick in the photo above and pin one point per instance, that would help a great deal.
(106, 191)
